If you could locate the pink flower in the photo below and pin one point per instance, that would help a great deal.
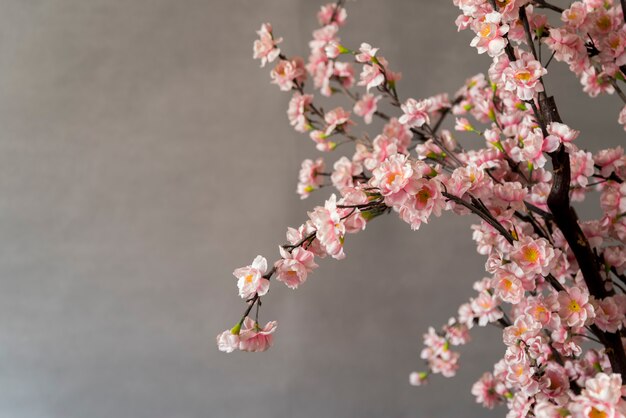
(490, 35)
(391, 177)
(383, 148)
(523, 76)
(609, 314)
(256, 339)
(561, 133)
(554, 382)
(330, 228)
(304, 233)
(366, 53)
(418, 378)
(371, 76)
(265, 47)
(251, 278)
(574, 307)
(531, 147)
(485, 391)
(415, 113)
(424, 199)
(296, 112)
(581, 168)
(401, 133)
(567, 46)
(519, 369)
(610, 160)
(508, 287)
(511, 194)
(533, 256)
(485, 306)
(309, 178)
(524, 328)
(462, 124)
(366, 107)
(344, 171)
(329, 13)
(227, 341)
(600, 398)
(286, 73)
(338, 118)
(294, 266)
(594, 83)
(575, 15)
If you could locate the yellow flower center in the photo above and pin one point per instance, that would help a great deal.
(523, 75)
(531, 254)
(485, 30)
(248, 278)
(574, 306)
(604, 23)
(423, 195)
(392, 177)
(597, 414)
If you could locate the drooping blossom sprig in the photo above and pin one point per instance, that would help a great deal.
(554, 284)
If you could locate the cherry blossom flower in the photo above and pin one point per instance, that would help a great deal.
(296, 112)
(286, 73)
(251, 280)
(490, 35)
(265, 47)
(533, 256)
(309, 178)
(227, 341)
(330, 228)
(601, 397)
(254, 338)
(574, 307)
(344, 171)
(523, 76)
(330, 13)
(371, 76)
(366, 53)
(485, 391)
(366, 107)
(415, 113)
(392, 176)
(294, 267)
(338, 118)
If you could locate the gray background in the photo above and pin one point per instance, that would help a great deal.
(144, 156)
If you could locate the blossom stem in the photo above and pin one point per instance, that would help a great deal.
(542, 4)
(486, 216)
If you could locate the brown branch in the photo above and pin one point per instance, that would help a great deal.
(567, 220)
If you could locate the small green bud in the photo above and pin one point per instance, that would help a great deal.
(235, 330)
(343, 49)
(369, 215)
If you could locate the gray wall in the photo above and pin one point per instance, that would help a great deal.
(144, 156)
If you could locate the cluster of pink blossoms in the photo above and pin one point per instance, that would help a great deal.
(555, 285)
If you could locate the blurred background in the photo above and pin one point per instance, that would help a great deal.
(144, 155)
